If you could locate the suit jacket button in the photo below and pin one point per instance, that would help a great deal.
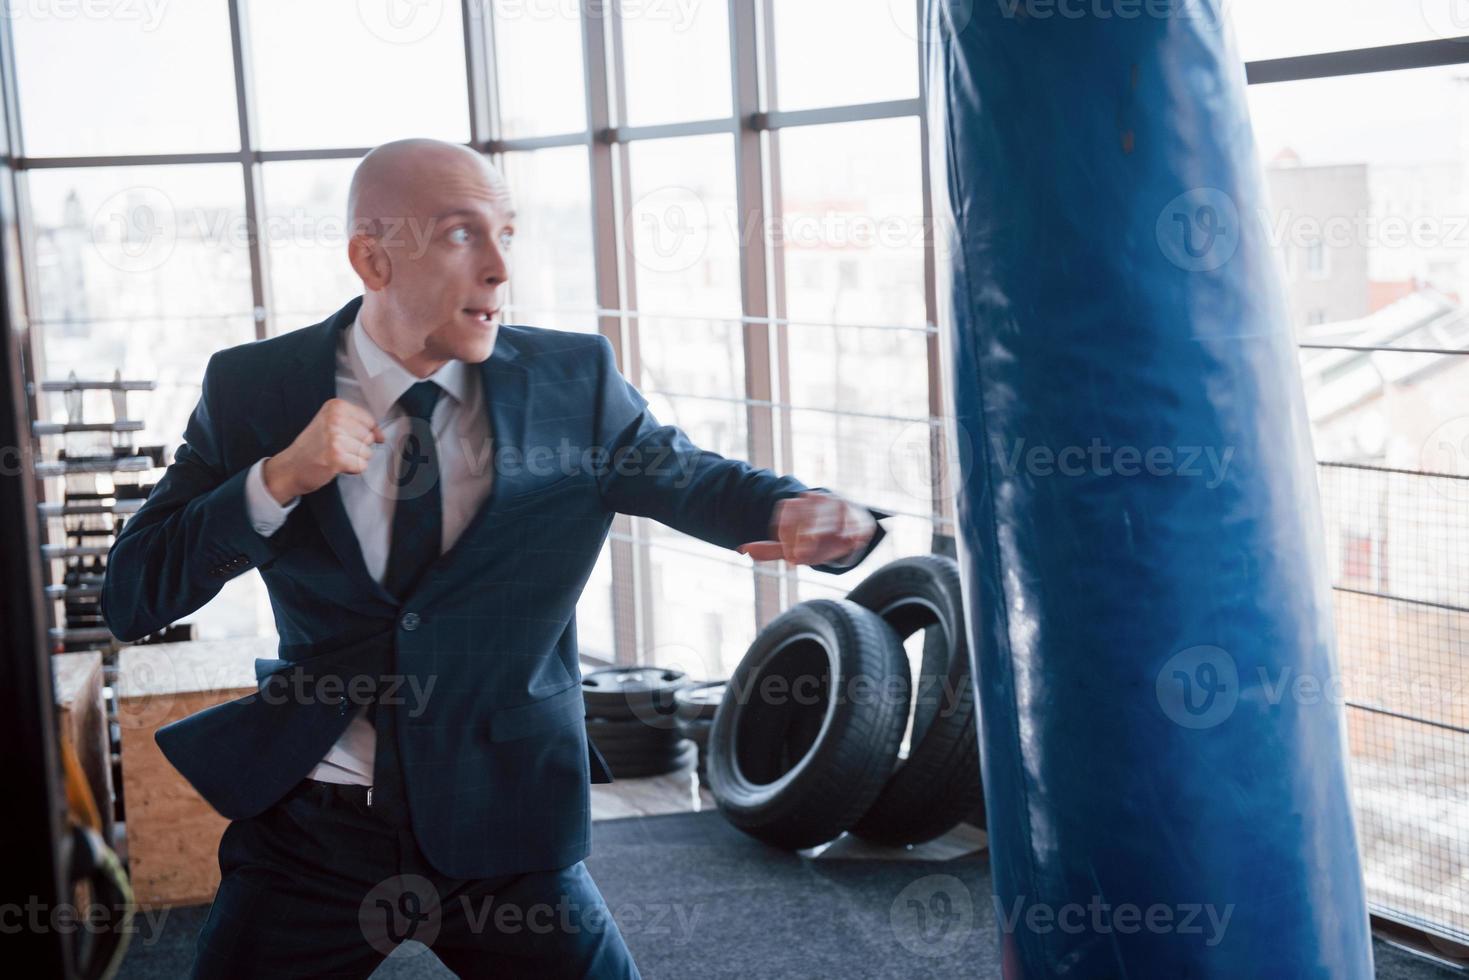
(410, 621)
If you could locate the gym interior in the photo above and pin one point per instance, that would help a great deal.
(1116, 339)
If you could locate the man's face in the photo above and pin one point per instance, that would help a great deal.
(449, 260)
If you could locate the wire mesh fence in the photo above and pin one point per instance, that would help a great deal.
(1397, 544)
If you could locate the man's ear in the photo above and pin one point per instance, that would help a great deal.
(369, 260)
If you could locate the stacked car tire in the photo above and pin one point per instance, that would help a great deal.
(807, 741)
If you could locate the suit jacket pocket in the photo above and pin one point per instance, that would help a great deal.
(537, 717)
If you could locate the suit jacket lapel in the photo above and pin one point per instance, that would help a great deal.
(311, 385)
(503, 377)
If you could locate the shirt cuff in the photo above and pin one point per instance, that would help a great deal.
(847, 560)
(266, 516)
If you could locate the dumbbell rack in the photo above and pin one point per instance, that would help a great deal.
(93, 505)
(103, 482)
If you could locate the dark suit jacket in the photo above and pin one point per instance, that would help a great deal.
(483, 650)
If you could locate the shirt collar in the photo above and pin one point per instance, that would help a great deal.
(384, 379)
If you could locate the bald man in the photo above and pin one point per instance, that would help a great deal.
(425, 492)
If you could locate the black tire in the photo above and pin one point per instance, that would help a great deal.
(686, 756)
(632, 693)
(796, 771)
(937, 785)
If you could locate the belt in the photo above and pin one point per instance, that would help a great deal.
(349, 792)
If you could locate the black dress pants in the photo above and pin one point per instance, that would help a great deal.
(319, 886)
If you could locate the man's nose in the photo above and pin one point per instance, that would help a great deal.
(497, 266)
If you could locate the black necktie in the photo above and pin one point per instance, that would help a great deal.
(418, 522)
(418, 515)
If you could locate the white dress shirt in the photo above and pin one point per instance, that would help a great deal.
(370, 377)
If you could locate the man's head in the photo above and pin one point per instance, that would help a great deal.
(430, 223)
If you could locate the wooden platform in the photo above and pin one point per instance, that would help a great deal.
(172, 834)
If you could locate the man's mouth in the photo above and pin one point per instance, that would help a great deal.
(483, 316)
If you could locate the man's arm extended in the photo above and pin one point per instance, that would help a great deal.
(654, 470)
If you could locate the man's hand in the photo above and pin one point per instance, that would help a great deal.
(338, 440)
(812, 529)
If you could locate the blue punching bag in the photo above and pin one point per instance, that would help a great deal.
(1140, 530)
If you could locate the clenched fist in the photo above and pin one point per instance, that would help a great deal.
(338, 440)
(813, 528)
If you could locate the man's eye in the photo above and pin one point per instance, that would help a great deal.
(459, 235)
(507, 238)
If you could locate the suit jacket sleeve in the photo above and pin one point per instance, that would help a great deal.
(654, 470)
(192, 534)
